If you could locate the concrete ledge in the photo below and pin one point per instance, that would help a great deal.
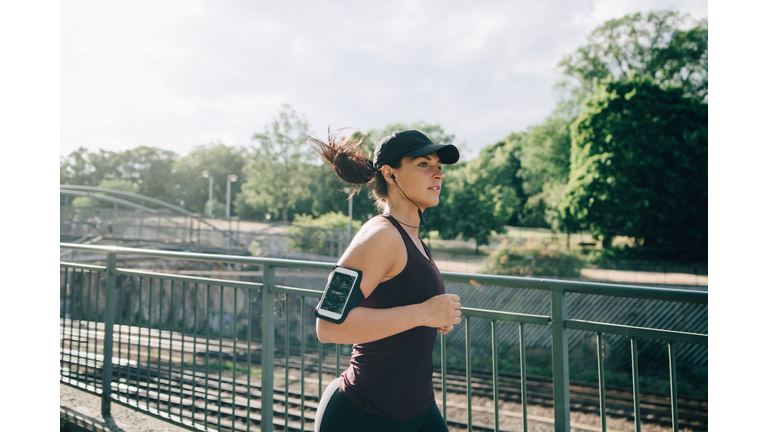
(77, 422)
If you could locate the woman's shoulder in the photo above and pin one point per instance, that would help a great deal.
(378, 251)
(377, 237)
(378, 229)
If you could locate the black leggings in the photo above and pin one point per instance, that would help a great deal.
(341, 415)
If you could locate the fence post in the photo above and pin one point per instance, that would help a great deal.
(267, 348)
(109, 321)
(560, 378)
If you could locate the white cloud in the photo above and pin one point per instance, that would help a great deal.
(180, 74)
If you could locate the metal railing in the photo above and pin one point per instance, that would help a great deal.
(215, 354)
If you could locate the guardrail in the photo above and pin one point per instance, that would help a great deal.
(186, 349)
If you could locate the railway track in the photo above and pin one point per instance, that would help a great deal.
(160, 379)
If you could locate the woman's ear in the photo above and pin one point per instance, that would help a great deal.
(388, 174)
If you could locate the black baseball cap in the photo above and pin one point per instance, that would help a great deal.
(411, 143)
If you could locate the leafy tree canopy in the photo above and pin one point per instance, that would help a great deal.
(479, 197)
(274, 176)
(220, 161)
(670, 48)
(639, 169)
(148, 168)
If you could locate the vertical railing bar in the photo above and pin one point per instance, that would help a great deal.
(95, 321)
(673, 385)
(194, 356)
(319, 369)
(72, 325)
(268, 348)
(130, 329)
(523, 376)
(221, 359)
(141, 327)
(469, 374)
(87, 322)
(159, 343)
(635, 383)
(72, 316)
(442, 377)
(495, 366)
(443, 369)
(183, 357)
(287, 356)
(234, 352)
(303, 421)
(109, 321)
(149, 338)
(560, 378)
(207, 348)
(601, 379)
(338, 361)
(150, 289)
(64, 321)
(96, 328)
(248, 357)
(171, 328)
(119, 338)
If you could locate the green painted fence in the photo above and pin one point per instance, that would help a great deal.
(219, 354)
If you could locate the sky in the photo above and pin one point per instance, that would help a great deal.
(180, 74)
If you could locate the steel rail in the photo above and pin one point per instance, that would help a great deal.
(558, 321)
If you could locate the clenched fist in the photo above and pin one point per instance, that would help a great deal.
(441, 312)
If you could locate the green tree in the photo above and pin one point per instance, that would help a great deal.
(670, 48)
(221, 161)
(639, 169)
(150, 169)
(77, 169)
(331, 196)
(479, 197)
(544, 165)
(274, 175)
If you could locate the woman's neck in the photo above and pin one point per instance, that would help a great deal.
(408, 216)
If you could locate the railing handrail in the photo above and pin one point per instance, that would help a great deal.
(558, 320)
(604, 289)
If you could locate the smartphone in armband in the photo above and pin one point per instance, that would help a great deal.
(342, 293)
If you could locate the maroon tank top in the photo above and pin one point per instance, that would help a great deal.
(392, 377)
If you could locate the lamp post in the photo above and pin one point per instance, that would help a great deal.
(351, 193)
(208, 175)
(230, 178)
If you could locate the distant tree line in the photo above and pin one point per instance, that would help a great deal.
(624, 154)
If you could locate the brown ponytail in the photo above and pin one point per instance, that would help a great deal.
(352, 164)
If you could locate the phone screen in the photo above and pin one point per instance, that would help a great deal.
(337, 293)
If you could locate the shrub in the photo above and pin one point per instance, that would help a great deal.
(518, 260)
(314, 235)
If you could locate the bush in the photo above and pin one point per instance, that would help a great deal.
(517, 260)
(314, 235)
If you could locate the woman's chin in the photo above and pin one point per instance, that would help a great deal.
(432, 203)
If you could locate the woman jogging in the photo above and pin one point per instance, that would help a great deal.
(388, 385)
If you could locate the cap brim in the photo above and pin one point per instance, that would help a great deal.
(448, 153)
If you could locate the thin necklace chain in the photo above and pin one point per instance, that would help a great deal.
(403, 223)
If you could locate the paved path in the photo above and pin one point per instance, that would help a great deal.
(84, 410)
